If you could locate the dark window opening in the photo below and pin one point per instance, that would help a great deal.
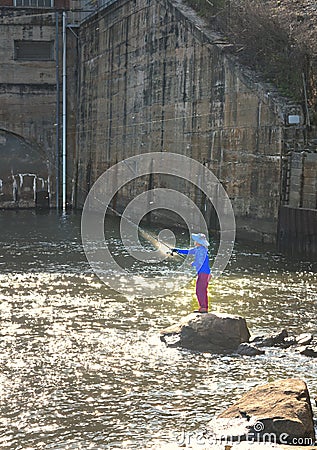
(35, 3)
(34, 50)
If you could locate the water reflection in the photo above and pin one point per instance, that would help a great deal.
(82, 366)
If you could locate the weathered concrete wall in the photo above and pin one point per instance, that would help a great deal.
(154, 79)
(303, 180)
(297, 232)
(28, 102)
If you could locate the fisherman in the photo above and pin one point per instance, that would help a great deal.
(202, 266)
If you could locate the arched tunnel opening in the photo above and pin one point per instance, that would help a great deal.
(24, 175)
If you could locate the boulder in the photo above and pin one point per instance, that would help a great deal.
(216, 333)
(279, 411)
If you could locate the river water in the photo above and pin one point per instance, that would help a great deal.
(82, 367)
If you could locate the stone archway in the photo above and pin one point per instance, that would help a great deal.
(24, 175)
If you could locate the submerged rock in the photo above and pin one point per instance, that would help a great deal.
(270, 341)
(246, 349)
(304, 339)
(209, 332)
(283, 340)
(308, 351)
(280, 411)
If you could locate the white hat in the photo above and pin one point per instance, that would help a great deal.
(200, 238)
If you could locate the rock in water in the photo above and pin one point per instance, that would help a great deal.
(276, 339)
(210, 332)
(279, 411)
(308, 351)
(304, 339)
(246, 349)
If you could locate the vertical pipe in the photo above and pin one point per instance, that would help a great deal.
(302, 180)
(64, 113)
(57, 108)
(306, 100)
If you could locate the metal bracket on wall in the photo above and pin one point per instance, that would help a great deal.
(71, 26)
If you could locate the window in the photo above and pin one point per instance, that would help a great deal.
(35, 3)
(34, 50)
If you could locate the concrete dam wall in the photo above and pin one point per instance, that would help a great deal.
(153, 78)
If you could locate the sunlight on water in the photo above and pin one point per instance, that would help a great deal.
(83, 366)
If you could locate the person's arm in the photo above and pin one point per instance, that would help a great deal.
(188, 251)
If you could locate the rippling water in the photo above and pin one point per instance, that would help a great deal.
(82, 366)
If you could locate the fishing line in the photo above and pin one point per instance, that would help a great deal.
(157, 243)
(146, 234)
(150, 237)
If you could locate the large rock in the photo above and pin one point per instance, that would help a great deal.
(280, 411)
(210, 332)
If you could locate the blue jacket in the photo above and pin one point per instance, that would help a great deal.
(201, 262)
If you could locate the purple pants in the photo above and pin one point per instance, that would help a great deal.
(201, 290)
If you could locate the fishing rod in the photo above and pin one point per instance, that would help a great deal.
(146, 234)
